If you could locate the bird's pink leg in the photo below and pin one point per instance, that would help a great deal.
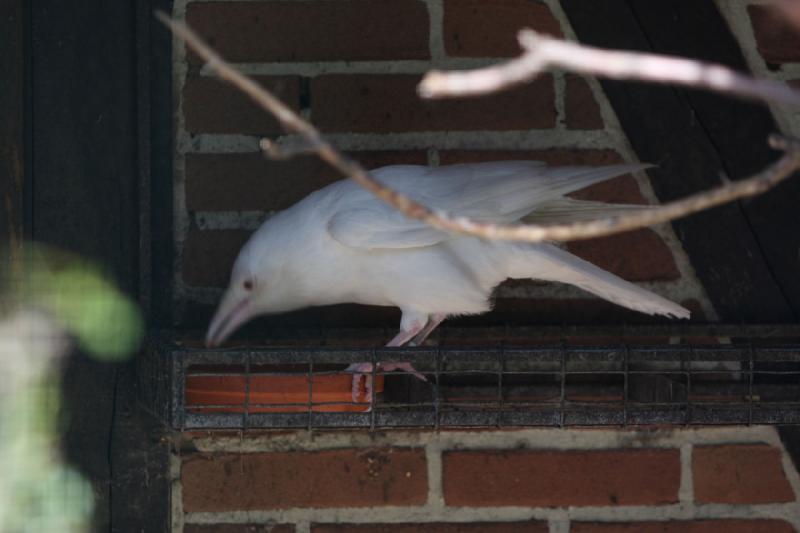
(411, 325)
(433, 323)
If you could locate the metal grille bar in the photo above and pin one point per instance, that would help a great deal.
(756, 381)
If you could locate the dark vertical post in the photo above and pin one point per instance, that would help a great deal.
(13, 164)
(91, 89)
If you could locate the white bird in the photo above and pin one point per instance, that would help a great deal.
(341, 244)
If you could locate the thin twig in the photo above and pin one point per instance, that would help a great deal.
(542, 53)
(313, 141)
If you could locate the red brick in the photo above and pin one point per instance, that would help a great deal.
(638, 255)
(208, 256)
(336, 478)
(212, 106)
(389, 103)
(250, 32)
(695, 526)
(777, 38)
(489, 29)
(474, 527)
(580, 106)
(238, 528)
(746, 473)
(251, 182)
(561, 478)
(622, 190)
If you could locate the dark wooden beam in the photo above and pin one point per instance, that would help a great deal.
(12, 135)
(90, 137)
(161, 242)
(664, 126)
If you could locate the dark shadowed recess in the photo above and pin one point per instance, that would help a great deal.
(745, 254)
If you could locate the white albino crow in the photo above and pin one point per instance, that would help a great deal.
(340, 244)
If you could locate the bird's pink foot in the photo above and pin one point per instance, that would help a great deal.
(364, 371)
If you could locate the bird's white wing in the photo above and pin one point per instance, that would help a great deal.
(565, 210)
(375, 229)
(496, 192)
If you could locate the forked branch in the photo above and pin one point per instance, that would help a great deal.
(311, 140)
(542, 53)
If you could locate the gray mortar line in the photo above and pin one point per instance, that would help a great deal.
(433, 457)
(310, 69)
(436, 37)
(433, 157)
(529, 439)
(686, 490)
(427, 514)
(560, 88)
(221, 220)
(559, 523)
(532, 139)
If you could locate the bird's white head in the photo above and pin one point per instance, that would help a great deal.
(239, 302)
(261, 282)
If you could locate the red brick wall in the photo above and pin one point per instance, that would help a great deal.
(351, 66)
(532, 480)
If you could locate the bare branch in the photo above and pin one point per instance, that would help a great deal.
(542, 53)
(313, 141)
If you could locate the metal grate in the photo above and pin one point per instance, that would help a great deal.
(753, 380)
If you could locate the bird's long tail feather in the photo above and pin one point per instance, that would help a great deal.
(547, 262)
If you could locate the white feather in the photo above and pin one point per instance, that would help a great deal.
(499, 192)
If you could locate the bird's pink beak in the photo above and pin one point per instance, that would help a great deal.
(231, 314)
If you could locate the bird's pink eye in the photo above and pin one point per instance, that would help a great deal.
(248, 285)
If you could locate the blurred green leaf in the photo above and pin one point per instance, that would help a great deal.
(105, 321)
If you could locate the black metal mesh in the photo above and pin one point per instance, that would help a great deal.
(754, 380)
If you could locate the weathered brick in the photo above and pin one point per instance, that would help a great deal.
(489, 29)
(209, 255)
(238, 528)
(389, 103)
(435, 527)
(251, 182)
(681, 526)
(638, 255)
(350, 30)
(622, 190)
(336, 478)
(561, 478)
(580, 106)
(740, 473)
(212, 106)
(777, 38)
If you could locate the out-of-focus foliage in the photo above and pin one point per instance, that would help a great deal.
(88, 305)
(51, 299)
